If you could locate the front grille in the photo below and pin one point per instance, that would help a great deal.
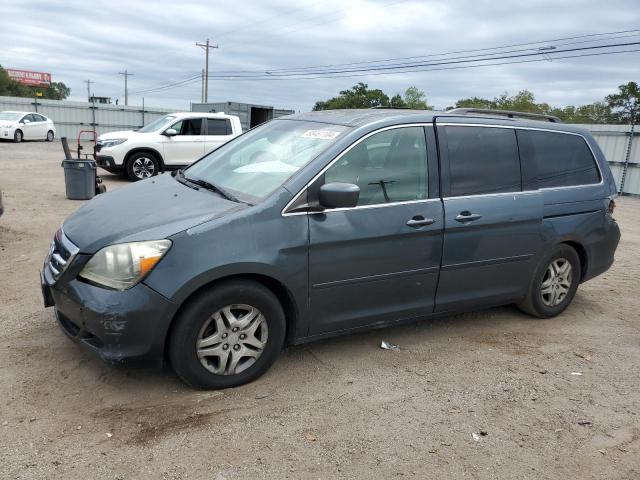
(61, 254)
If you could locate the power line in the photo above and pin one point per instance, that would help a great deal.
(610, 34)
(406, 66)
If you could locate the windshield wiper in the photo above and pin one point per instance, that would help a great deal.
(213, 187)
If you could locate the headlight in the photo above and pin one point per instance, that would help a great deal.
(122, 266)
(111, 142)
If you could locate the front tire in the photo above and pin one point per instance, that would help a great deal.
(227, 336)
(554, 284)
(142, 165)
(18, 136)
(50, 136)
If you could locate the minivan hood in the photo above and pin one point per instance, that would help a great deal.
(152, 209)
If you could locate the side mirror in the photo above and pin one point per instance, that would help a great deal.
(339, 195)
(26, 121)
(170, 132)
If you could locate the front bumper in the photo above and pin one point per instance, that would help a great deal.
(108, 163)
(113, 325)
(6, 133)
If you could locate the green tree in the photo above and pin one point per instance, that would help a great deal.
(358, 96)
(414, 98)
(626, 102)
(9, 87)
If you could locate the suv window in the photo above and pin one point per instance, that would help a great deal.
(188, 126)
(482, 160)
(552, 159)
(218, 126)
(390, 166)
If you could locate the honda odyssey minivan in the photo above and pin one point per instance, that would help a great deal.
(325, 223)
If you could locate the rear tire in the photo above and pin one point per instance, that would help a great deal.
(210, 347)
(142, 165)
(18, 136)
(554, 283)
(50, 136)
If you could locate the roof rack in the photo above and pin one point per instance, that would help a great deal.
(507, 113)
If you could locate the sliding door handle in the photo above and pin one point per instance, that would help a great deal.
(419, 221)
(467, 216)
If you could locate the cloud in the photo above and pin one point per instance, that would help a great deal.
(79, 40)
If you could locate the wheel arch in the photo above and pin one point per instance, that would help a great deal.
(582, 255)
(150, 150)
(282, 293)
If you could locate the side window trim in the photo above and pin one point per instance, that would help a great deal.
(303, 192)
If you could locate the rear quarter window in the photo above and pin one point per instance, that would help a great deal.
(551, 160)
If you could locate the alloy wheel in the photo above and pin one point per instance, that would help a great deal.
(556, 282)
(18, 136)
(143, 167)
(49, 136)
(232, 339)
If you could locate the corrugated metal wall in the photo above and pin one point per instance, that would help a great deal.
(71, 117)
(614, 140)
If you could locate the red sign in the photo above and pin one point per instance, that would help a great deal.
(27, 77)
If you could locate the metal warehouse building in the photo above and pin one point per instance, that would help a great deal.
(250, 115)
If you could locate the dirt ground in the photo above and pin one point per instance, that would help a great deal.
(342, 408)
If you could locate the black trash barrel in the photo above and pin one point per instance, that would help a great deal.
(80, 179)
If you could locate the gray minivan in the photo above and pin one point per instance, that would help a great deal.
(326, 223)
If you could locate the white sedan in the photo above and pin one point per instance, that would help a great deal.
(19, 126)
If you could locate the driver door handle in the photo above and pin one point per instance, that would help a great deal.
(419, 221)
(467, 216)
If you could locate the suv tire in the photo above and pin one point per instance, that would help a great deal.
(554, 283)
(142, 165)
(227, 335)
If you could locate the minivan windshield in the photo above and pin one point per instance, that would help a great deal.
(10, 115)
(258, 162)
(157, 124)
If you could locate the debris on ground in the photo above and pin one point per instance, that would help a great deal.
(577, 374)
(584, 422)
(388, 345)
(260, 396)
(584, 357)
(109, 435)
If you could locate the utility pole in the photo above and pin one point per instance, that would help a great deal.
(126, 90)
(202, 93)
(89, 82)
(206, 47)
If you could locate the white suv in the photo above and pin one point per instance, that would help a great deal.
(172, 141)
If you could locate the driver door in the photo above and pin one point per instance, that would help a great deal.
(30, 127)
(188, 145)
(379, 261)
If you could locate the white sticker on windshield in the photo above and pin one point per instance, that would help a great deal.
(321, 134)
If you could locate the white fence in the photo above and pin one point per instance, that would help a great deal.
(71, 117)
(621, 146)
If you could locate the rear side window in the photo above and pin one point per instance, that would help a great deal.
(218, 126)
(482, 160)
(552, 159)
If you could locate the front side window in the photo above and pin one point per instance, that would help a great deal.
(218, 126)
(482, 160)
(556, 160)
(255, 164)
(188, 126)
(389, 167)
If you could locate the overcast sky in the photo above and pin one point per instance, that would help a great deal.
(155, 40)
